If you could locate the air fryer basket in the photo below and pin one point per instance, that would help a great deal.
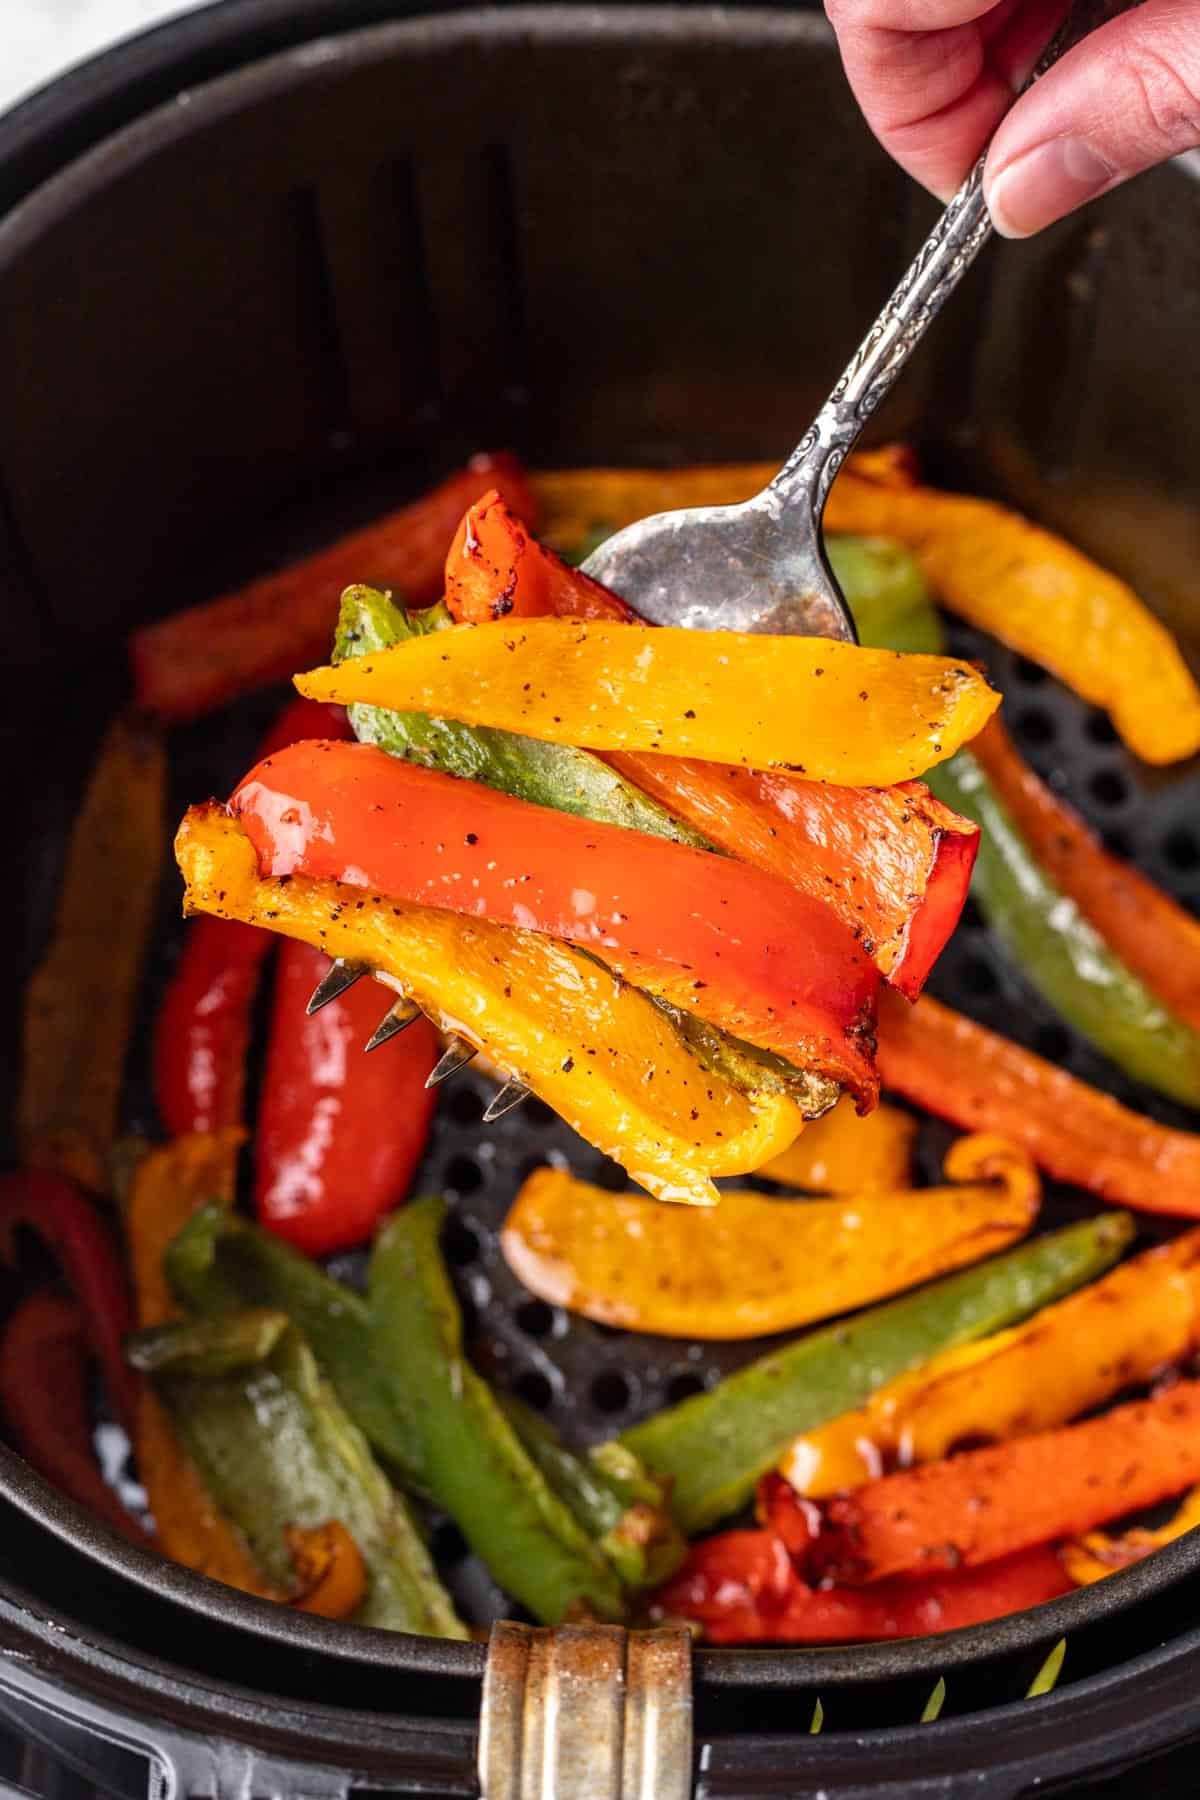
(264, 306)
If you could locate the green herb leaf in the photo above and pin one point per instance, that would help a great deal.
(935, 1702)
(1049, 1672)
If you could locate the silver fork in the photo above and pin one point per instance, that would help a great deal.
(761, 566)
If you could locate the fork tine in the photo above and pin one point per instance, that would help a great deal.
(507, 1097)
(343, 975)
(457, 1055)
(399, 1016)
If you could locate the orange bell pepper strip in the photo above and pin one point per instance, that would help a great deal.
(168, 1186)
(45, 1398)
(1151, 934)
(706, 933)
(740, 1587)
(893, 862)
(1100, 1553)
(752, 1265)
(1037, 594)
(558, 1021)
(196, 660)
(983, 1504)
(949, 1065)
(832, 711)
(80, 1000)
(1068, 1359)
(330, 1569)
(844, 1153)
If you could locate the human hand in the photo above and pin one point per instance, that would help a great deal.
(936, 77)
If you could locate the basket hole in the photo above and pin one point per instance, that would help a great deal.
(971, 919)
(1053, 1042)
(1029, 674)
(1036, 726)
(464, 1105)
(1100, 728)
(448, 1544)
(979, 976)
(610, 1392)
(1119, 844)
(460, 1244)
(1109, 787)
(612, 1176)
(535, 1389)
(535, 1318)
(1181, 849)
(537, 1114)
(462, 1175)
(683, 1386)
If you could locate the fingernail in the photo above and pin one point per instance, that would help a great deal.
(1051, 179)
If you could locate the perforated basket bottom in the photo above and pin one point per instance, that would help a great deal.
(593, 1380)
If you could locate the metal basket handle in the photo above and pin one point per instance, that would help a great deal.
(586, 1712)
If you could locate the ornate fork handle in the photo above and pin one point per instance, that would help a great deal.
(928, 282)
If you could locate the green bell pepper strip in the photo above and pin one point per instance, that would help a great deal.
(619, 1507)
(220, 1262)
(1058, 951)
(715, 1446)
(213, 1345)
(477, 1468)
(276, 1448)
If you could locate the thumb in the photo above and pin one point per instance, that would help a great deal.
(1126, 98)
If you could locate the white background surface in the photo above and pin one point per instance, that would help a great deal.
(41, 38)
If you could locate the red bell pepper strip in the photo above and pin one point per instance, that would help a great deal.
(742, 1587)
(203, 1025)
(983, 1504)
(939, 1060)
(197, 660)
(71, 1229)
(893, 863)
(44, 1398)
(339, 1134)
(738, 947)
(1153, 936)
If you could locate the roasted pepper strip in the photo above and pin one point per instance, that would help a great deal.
(338, 1136)
(980, 1081)
(278, 1451)
(1152, 935)
(495, 569)
(1048, 938)
(716, 1445)
(203, 1026)
(1069, 1359)
(70, 1227)
(741, 1588)
(892, 862)
(45, 1399)
(972, 1508)
(845, 1154)
(474, 1462)
(1102, 1553)
(80, 1000)
(200, 659)
(709, 935)
(752, 1265)
(828, 710)
(330, 1568)
(562, 1023)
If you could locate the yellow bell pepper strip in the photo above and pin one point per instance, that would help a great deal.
(980, 1081)
(330, 1568)
(1068, 1360)
(844, 1153)
(566, 1026)
(714, 1446)
(984, 1504)
(1150, 932)
(831, 711)
(80, 999)
(1100, 1553)
(1037, 594)
(709, 935)
(753, 1265)
(168, 1185)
